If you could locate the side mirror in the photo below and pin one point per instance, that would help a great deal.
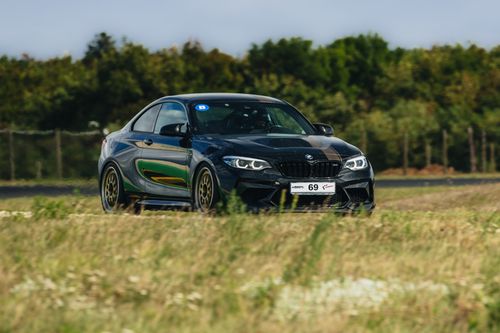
(174, 130)
(324, 129)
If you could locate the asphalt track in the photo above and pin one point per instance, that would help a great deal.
(52, 190)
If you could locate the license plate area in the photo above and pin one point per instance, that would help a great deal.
(312, 188)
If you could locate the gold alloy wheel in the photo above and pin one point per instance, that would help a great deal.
(110, 189)
(205, 189)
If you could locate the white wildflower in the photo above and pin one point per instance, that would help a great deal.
(48, 284)
(178, 298)
(25, 287)
(133, 279)
(348, 295)
(194, 296)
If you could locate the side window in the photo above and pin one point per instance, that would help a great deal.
(170, 113)
(146, 121)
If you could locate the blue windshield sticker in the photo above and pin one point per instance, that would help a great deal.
(201, 107)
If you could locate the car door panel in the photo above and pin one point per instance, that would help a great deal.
(164, 162)
(130, 149)
(164, 165)
(128, 153)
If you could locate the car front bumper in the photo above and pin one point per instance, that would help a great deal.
(269, 189)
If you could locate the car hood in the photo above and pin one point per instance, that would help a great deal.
(282, 146)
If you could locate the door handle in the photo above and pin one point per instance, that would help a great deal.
(149, 142)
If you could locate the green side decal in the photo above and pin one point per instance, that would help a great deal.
(163, 172)
(129, 187)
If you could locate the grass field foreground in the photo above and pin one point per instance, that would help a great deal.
(427, 260)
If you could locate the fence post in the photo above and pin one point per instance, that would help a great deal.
(38, 170)
(58, 153)
(472, 150)
(445, 151)
(483, 151)
(493, 162)
(12, 156)
(405, 154)
(428, 153)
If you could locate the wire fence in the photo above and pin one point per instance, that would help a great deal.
(49, 154)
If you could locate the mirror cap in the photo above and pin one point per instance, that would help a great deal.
(324, 129)
(174, 130)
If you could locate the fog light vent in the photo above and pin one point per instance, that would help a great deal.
(357, 195)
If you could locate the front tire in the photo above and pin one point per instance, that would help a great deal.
(113, 197)
(206, 190)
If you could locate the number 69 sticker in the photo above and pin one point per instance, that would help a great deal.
(325, 188)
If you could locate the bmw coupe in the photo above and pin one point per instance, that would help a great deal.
(192, 151)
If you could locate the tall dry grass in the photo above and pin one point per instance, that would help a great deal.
(425, 261)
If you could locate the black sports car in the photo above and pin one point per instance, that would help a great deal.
(192, 151)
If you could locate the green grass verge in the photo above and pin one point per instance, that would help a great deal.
(426, 261)
(50, 182)
(452, 176)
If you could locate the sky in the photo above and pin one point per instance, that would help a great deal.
(48, 28)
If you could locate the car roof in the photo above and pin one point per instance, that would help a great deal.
(188, 98)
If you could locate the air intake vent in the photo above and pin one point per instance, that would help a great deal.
(357, 195)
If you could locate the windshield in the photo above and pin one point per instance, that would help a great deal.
(248, 118)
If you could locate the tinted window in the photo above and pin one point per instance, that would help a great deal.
(170, 113)
(146, 121)
(249, 118)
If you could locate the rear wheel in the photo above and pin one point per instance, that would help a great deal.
(113, 197)
(206, 190)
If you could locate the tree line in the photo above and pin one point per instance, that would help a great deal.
(394, 103)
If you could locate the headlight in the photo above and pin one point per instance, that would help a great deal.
(246, 163)
(356, 163)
